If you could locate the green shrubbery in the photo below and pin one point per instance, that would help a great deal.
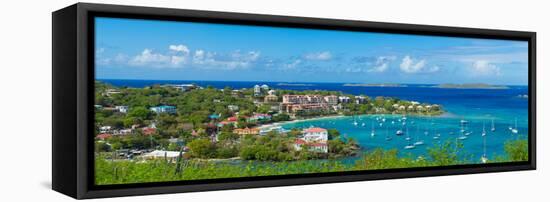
(118, 172)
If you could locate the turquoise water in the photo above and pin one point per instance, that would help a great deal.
(421, 128)
(477, 106)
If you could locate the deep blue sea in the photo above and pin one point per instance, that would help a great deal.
(478, 107)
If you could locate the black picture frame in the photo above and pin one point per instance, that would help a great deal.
(73, 88)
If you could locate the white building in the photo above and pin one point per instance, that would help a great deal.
(265, 87)
(105, 129)
(331, 99)
(257, 90)
(164, 109)
(278, 129)
(343, 99)
(313, 146)
(315, 134)
(360, 99)
(122, 109)
(233, 107)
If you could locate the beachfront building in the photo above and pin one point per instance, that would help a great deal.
(259, 117)
(122, 109)
(164, 109)
(314, 138)
(265, 87)
(331, 99)
(308, 103)
(247, 131)
(313, 146)
(267, 129)
(344, 99)
(360, 99)
(315, 134)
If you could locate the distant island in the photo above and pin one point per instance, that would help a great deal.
(294, 84)
(471, 86)
(374, 85)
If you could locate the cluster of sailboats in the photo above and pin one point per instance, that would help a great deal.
(412, 143)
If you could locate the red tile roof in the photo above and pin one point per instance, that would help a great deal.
(104, 136)
(149, 131)
(300, 141)
(315, 130)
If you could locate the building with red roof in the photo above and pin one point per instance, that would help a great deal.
(315, 134)
(149, 131)
(104, 136)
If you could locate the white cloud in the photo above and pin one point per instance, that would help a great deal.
(325, 55)
(148, 58)
(381, 64)
(411, 66)
(234, 60)
(484, 68)
(293, 64)
(179, 48)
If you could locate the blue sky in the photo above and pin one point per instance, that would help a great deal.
(162, 50)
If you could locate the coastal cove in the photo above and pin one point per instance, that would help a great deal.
(503, 108)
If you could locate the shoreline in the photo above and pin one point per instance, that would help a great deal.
(446, 114)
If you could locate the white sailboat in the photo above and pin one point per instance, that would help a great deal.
(462, 132)
(408, 138)
(409, 145)
(372, 134)
(484, 158)
(515, 129)
(483, 133)
(493, 129)
(437, 136)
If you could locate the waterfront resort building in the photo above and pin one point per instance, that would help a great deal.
(247, 131)
(313, 146)
(308, 103)
(344, 99)
(360, 99)
(314, 138)
(164, 109)
(315, 134)
(268, 129)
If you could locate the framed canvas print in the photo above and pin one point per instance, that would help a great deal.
(154, 100)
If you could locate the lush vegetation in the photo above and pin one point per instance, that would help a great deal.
(193, 126)
(118, 172)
